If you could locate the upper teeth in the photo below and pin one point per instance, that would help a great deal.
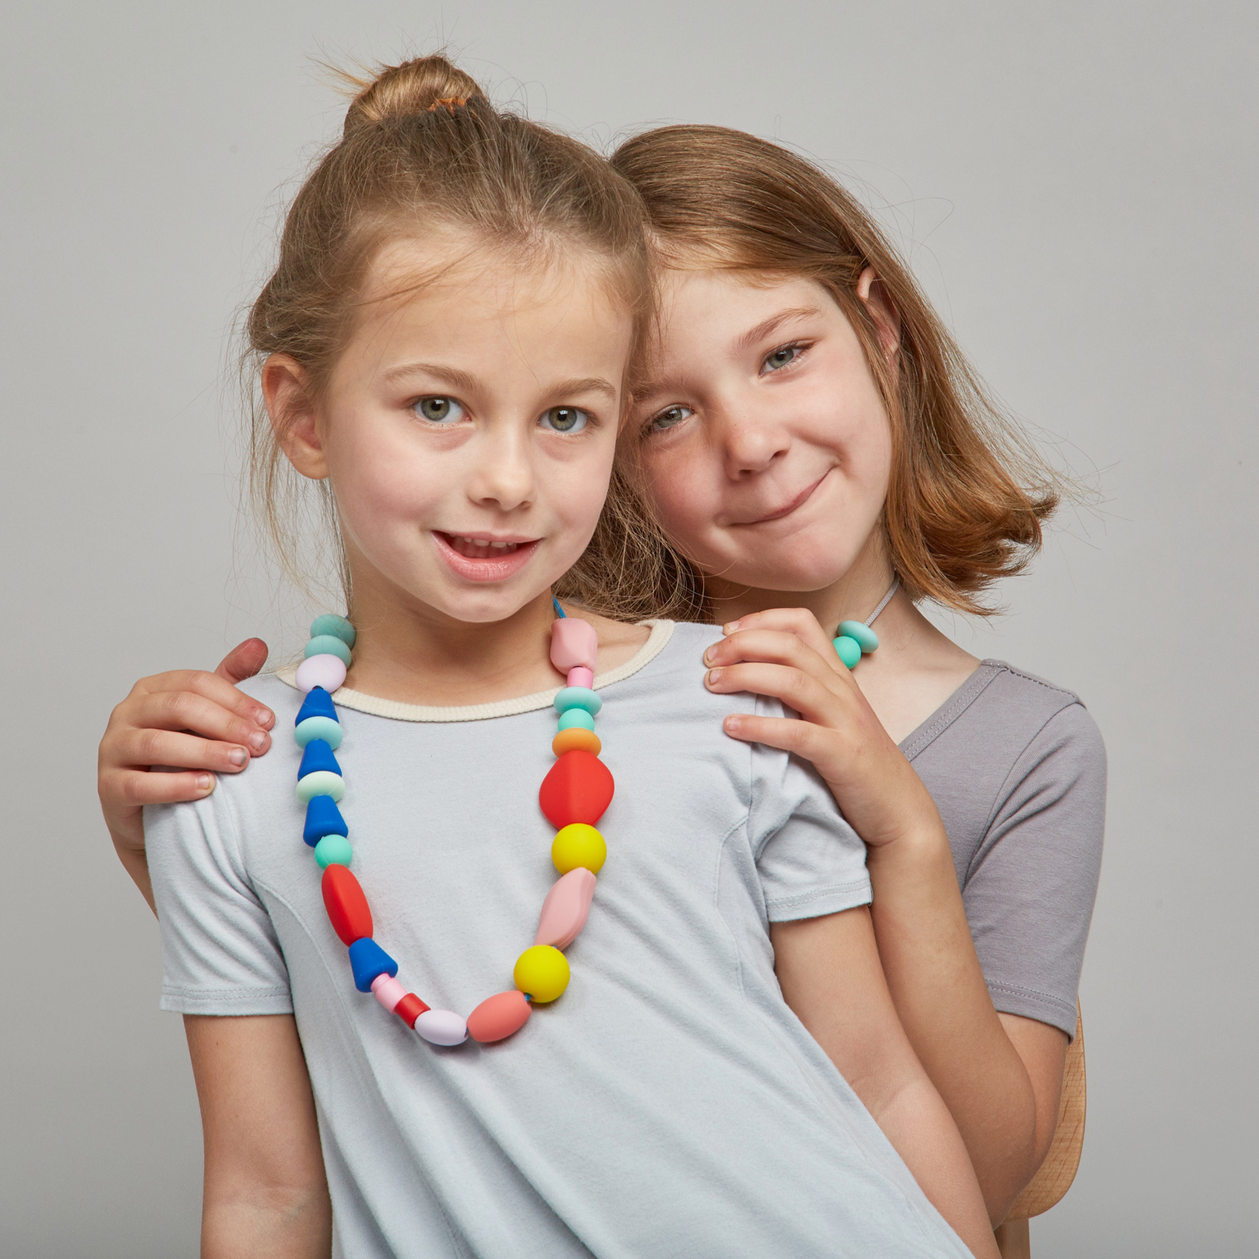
(498, 546)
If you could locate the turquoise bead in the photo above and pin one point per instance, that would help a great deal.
(329, 645)
(861, 634)
(333, 850)
(576, 717)
(335, 625)
(319, 728)
(323, 782)
(578, 697)
(848, 650)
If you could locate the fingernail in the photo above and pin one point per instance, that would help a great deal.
(713, 675)
(238, 756)
(708, 655)
(257, 740)
(264, 717)
(205, 782)
(730, 627)
(731, 724)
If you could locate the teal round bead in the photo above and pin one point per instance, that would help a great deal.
(329, 645)
(319, 728)
(322, 782)
(848, 650)
(333, 850)
(335, 625)
(861, 634)
(576, 717)
(578, 697)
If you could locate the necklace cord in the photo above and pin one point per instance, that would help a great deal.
(887, 598)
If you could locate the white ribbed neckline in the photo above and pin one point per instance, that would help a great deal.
(657, 640)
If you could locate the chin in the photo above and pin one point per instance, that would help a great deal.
(794, 572)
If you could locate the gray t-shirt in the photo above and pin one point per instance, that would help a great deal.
(1017, 768)
(669, 1103)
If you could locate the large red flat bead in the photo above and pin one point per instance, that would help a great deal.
(346, 905)
(578, 788)
(497, 1017)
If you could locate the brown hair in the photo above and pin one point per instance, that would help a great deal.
(967, 493)
(423, 147)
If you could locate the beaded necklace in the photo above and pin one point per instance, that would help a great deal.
(574, 795)
(854, 639)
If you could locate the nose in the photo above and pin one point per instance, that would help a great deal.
(503, 474)
(750, 437)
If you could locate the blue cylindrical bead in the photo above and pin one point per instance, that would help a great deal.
(318, 703)
(331, 623)
(578, 697)
(318, 755)
(323, 818)
(368, 960)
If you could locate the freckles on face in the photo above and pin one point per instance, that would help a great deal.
(469, 427)
(761, 432)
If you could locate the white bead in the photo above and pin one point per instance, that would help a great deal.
(442, 1027)
(325, 671)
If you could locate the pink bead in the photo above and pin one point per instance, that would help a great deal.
(574, 644)
(325, 671)
(581, 677)
(499, 1016)
(388, 991)
(565, 909)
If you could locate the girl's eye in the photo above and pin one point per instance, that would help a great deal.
(438, 410)
(781, 357)
(664, 420)
(564, 420)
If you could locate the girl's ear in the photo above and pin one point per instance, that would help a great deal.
(883, 311)
(286, 393)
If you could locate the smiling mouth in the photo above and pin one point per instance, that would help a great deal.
(796, 503)
(483, 548)
(484, 558)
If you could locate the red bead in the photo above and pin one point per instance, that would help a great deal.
(347, 906)
(578, 788)
(497, 1017)
(409, 1009)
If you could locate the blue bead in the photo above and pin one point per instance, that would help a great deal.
(848, 650)
(323, 818)
(318, 755)
(576, 717)
(368, 960)
(331, 623)
(861, 634)
(318, 703)
(578, 697)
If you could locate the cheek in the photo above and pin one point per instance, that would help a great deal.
(378, 482)
(680, 491)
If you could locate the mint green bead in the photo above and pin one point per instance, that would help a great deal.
(333, 850)
(861, 633)
(329, 645)
(337, 626)
(324, 728)
(322, 782)
(578, 697)
(576, 717)
(848, 650)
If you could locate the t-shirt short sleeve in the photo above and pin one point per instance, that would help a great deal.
(810, 861)
(220, 954)
(1030, 887)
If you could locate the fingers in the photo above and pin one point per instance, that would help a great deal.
(139, 749)
(198, 701)
(784, 648)
(243, 661)
(133, 787)
(811, 698)
(798, 621)
(799, 737)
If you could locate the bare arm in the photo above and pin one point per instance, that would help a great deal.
(151, 727)
(830, 976)
(265, 1191)
(999, 1075)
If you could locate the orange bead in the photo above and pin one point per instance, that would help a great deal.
(576, 739)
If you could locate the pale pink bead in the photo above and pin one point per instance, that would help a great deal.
(574, 644)
(388, 991)
(442, 1027)
(325, 671)
(565, 909)
(581, 677)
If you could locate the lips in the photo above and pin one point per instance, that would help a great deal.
(794, 504)
(483, 557)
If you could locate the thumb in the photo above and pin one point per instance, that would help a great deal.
(243, 661)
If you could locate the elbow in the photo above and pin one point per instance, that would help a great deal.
(1005, 1177)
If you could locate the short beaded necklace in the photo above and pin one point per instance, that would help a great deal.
(574, 795)
(854, 639)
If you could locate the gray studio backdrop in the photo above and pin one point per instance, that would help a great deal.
(1075, 184)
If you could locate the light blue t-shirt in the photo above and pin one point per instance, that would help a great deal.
(669, 1103)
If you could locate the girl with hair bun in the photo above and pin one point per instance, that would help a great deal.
(444, 351)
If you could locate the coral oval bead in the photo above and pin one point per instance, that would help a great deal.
(577, 788)
(328, 645)
(579, 845)
(497, 1017)
(327, 672)
(541, 972)
(323, 782)
(442, 1027)
(578, 697)
(574, 644)
(848, 650)
(333, 850)
(861, 634)
(566, 908)
(327, 729)
(346, 905)
(331, 623)
(576, 737)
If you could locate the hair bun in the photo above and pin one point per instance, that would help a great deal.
(414, 87)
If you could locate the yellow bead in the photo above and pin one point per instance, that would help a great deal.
(576, 738)
(579, 845)
(541, 972)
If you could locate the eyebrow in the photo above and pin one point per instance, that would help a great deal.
(457, 379)
(764, 328)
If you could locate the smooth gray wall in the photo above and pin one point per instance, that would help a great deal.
(1075, 184)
